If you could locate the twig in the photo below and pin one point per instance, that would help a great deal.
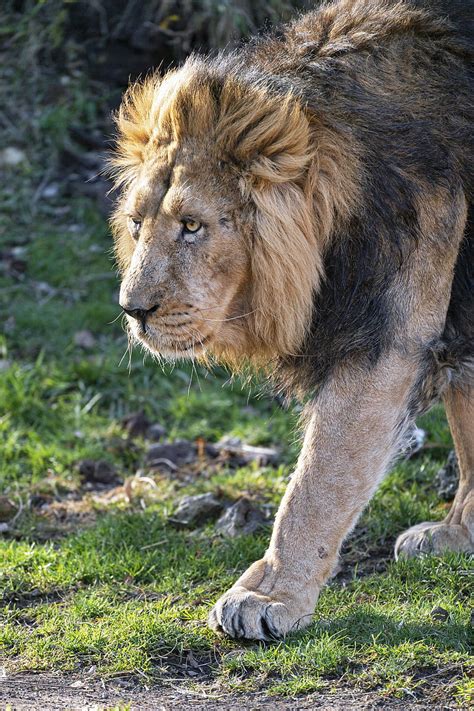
(161, 460)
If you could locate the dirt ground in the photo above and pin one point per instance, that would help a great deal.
(54, 692)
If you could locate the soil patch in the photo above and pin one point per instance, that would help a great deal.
(54, 692)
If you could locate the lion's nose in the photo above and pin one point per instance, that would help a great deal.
(139, 313)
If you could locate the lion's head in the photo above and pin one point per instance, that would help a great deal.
(216, 233)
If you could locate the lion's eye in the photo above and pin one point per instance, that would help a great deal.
(191, 226)
(135, 225)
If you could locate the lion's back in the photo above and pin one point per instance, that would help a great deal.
(397, 75)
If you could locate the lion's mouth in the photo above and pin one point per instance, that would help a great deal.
(184, 347)
(170, 344)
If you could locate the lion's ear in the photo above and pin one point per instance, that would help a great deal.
(280, 143)
(135, 122)
(269, 135)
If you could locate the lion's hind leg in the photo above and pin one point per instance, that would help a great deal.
(456, 532)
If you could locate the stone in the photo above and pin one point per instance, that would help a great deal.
(193, 511)
(7, 508)
(241, 518)
(11, 156)
(155, 432)
(240, 454)
(97, 472)
(136, 424)
(50, 191)
(439, 614)
(178, 453)
(44, 291)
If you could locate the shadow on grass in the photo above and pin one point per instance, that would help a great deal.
(369, 628)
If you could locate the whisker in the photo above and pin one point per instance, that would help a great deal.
(128, 350)
(193, 365)
(109, 323)
(230, 318)
(123, 356)
(130, 347)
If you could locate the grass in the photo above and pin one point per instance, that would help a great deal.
(98, 579)
(124, 592)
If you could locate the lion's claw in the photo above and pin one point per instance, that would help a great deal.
(244, 614)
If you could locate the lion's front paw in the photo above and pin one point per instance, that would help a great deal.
(245, 614)
(433, 538)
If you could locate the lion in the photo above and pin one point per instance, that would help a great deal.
(301, 204)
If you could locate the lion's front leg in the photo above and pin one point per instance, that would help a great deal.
(353, 433)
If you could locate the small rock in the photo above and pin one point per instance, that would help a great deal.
(7, 508)
(44, 290)
(12, 156)
(155, 432)
(179, 453)
(207, 449)
(240, 518)
(39, 501)
(4, 527)
(18, 252)
(84, 339)
(50, 191)
(241, 454)
(99, 472)
(136, 423)
(17, 267)
(193, 511)
(447, 478)
(12, 261)
(439, 614)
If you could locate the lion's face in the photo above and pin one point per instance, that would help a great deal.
(215, 231)
(189, 264)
